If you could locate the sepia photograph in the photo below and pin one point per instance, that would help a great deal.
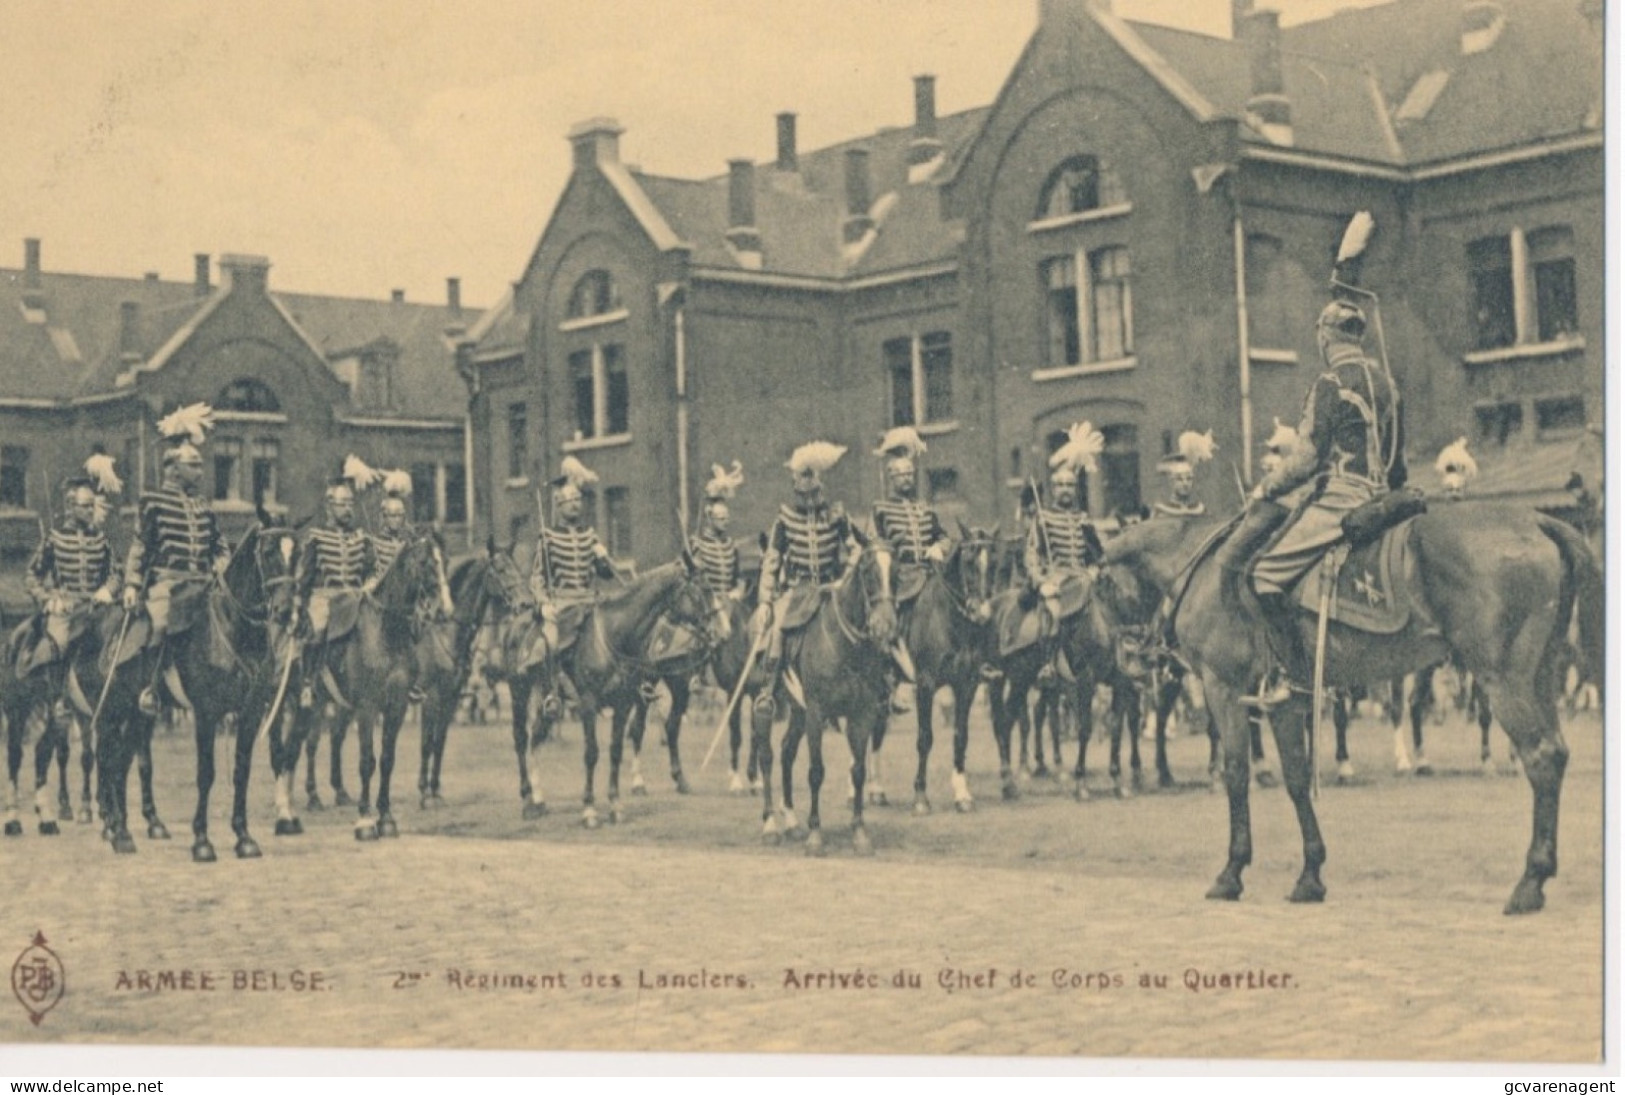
(972, 534)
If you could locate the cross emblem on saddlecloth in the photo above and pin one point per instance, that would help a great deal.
(1367, 584)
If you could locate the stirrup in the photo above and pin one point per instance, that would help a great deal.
(147, 702)
(990, 673)
(551, 708)
(1274, 691)
(648, 691)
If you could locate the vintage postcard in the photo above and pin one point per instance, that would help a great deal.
(1062, 532)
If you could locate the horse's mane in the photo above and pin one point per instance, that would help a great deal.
(618, 597)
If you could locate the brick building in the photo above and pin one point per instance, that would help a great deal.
(1137, 231)
(297, 382)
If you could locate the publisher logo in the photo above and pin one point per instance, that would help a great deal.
(38, 979)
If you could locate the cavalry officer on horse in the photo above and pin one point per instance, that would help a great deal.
(1062, 545)
(716, 555)
(812, 544)
(1351, 448)
(911, 528)
(70, 574)
(336, 567)
(1180, 468)
(570, 559)
(178, 547)
(393, 533)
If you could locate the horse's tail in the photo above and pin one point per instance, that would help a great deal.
(1584, 589)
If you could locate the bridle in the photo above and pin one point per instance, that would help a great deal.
(883, 596)
(234, 605)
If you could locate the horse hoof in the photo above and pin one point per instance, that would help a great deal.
(48, 828)
(314, 805)
(1010, 793)
(366, 833)
(123, 844)
(1423, 769)
(639, 790)
(1165, 782)
(922, 806)
(1526, 898)
(1225, 889)
(589, 818)
(736, 786)
(1308, 891)
(387, 827)
(1042, 772)
(1080, 793)
(247, 848)
(284, 827)
(1124, 791)
(773, 839)
(533, 810)
(14, 828)
(615, 815)
(365, 809)
(965, 805)
(341, 798)
(203, 852)
(64, 812)
(861, 844)
(815, 843)
(157, 831)
(1266, 778)
(878, 798)
(682, 785)
(85, 817)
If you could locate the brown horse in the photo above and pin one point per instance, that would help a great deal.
(1493, 585)
(840, 657)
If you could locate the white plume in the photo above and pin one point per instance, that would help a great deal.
(360, 474)
(1084, 443)
(1283, 440)
(901, 441)
(397, 483)
(100, 468)
(818, 456)
(1356, 236)
(1197, 447)
(724, 481)
(577, 473)
(1454, 457)
(192, 422)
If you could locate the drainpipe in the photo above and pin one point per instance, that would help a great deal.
(469, 517)
(1243, 350)
(680, 353)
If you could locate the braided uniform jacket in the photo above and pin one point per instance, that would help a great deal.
(1061, 540)
(1352, 428)
(718, 559)
(334, 558)
(386, 546)
(807, 546)
(567, 560)
(71, 561)
(910, 527)
(178, 533)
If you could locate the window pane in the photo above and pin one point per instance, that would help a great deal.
(227, 455)
(14, 476)
(1555, 299)
(263, 472)
(581, 391)
(618, 522)
(518, 441)
(898, 354)
(1498, 422)
(1490, 271)
(1120, 469)
(944, 484)
(1109, 279)
(617, 394)
(423, 493)
(1073, 188)
(1557, 417)
(593, 295)
(456, 495)
(937, 358)
(1060, 280)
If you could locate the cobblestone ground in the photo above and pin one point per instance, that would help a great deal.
(1038, 927)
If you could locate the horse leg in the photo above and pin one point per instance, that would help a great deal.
(429, 729)
(815, 777)
(761, 762)
(156, 829)
(1528, 713)
(285, 754)
(519, 688)
(393, 717)
(589, 760)
(313, 801)
(369, 760)
(873, 741)
(736, 782)
(1420, 696)
(337, 730)
(87, 766)
(964, 694)
(64, 746)
(1006, 712)
(116, 774)
(858, 733)
(16, 725)
(1261, 765)
(1164, 697)
(639, 720)
(1224, 707)
(242, 764)
(1084, 713)
(618, 715)
(925, 694)
(45, 749)
(203, 734)
(679, 689)
(1340, 723)
(795, 728)
(1126, 716)
(1291, 726)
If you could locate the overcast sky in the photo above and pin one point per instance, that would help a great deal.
(365, 146)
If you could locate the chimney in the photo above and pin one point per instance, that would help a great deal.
(1053, 11)
(397, 296)
(129, 332)
(31, 264)
(742, 231)
(925, 146)
(1267, 107)
(787, 142)
(1239, 11)
(200, 275)
(151, 277)
(454, 295)
(596, 141)
(858, 221)
(248, 273)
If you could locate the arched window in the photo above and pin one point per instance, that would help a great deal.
(594, 295)
(247, 394)
(1080, 184)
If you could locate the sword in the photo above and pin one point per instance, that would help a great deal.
(107, 682)
(1328, 583)
(281, 690)
(739, 690)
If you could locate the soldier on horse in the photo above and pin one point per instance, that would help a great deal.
(393, 532)
(1180, 468)
(337, 566)
(70, 574)
(570, 559)
(1062, 545)
(178, 548)
(910, 527)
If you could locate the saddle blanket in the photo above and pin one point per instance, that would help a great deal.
(797, 605)
(907, 581)
(338, 619)
(1019, 626)
(1367, 596)
(671, 644)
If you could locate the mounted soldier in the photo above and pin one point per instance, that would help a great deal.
(1350, 452)
(811, 545)
(394, 533)
(336, 568)
(178, 548)
(72, 572)
(716, 554)
(1062, 545)
(570, 560)
(1456, 468)
(1180, 467)
(910, 527)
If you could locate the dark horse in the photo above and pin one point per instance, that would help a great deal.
(224, 665)
(1493, 585)
(605, 665)
(371, 671)
(25, 702)
(841, 657)
(949, 636)
(480, 585)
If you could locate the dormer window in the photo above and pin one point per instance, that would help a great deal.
(594, 295)
(1080, 185)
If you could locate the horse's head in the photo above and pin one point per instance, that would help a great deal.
(973, 569)
(873, 578)
(259, 574)
(417, 575)
(696, 606)
(502, 581)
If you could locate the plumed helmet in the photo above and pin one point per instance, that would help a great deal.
(1083, 444)
(724, 482)
(1456, 466)
(808, 463)
(573, 475)
(339, 490)
(902, 446)
(392, 506)
(1342, 321)
(183, 430)
(359, 472)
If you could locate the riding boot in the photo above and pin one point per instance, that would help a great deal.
(1292, 668)
(147, 702)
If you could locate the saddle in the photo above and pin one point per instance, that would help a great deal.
(908, 579)
(798, 605)
(188, 604)
(1368, 595)
(1020, 622)
(343, 610)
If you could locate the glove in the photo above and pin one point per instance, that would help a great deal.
(736, 595)
(600, 551)
(55, 605)
(103, 596)
(549, 611)
(221, 562)
(1256, 494)
(936, 553)
(132, 597)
